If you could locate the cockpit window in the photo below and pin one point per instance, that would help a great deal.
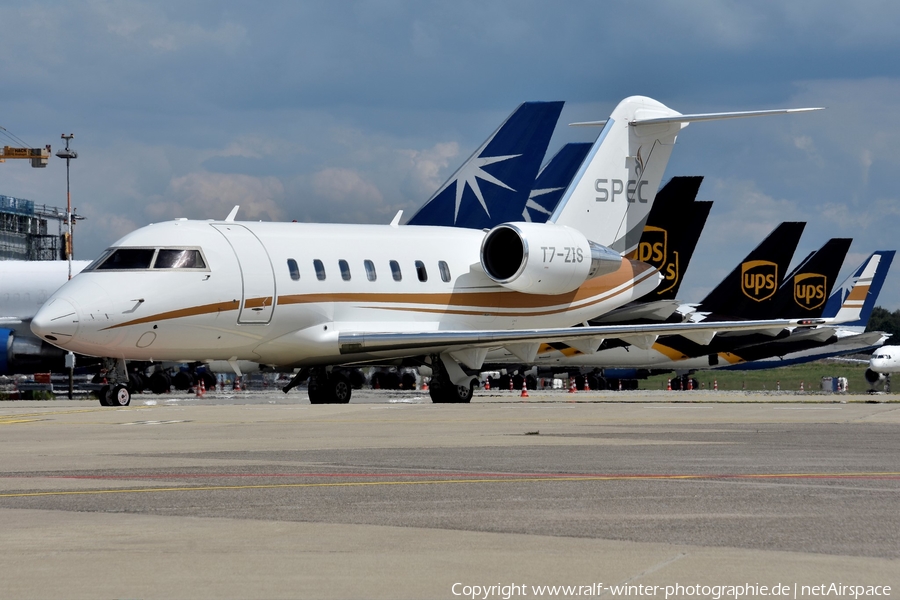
(179, 259)
(133, 259)
(128, 258)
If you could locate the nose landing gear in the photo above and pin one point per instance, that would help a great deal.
(118, 392)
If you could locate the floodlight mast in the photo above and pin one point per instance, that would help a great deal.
(68, 154)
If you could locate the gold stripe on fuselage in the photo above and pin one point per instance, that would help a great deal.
(490, 303)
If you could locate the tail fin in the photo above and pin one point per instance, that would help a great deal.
(492, 187)
(860, 291)
(672, 231)
(758, 276)
(553, 180)
(805, 290)
(612, 193)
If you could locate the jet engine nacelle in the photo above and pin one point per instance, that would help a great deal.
(874, 377)
(22, 354)
(543, 258)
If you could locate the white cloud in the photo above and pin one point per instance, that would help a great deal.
(345, 186)
(212, 196)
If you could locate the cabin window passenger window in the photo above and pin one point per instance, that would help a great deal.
(320, 269)
(179, 259)
(395, 270)
(294, 269)
(420, 271)
(128, 258)
(345, 270)
(370, 270)
(445, 271)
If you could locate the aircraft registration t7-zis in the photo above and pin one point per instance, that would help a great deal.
(319, 296)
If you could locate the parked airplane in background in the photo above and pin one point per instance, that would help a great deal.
(884, 362)
(222, 290)
(861, 288)
(24, 287)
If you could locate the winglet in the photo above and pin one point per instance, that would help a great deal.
(233, 213)
(396, 221)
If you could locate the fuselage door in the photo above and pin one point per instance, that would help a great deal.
(257, 276)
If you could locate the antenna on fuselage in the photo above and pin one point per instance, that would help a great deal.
(233, 213)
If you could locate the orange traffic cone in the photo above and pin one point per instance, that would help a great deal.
(510, 384)
(669, 386)
(620, 385)
(690, 384)
(572, 389)
(201, 389)
(487, 384)
(587, 386)
(524, 393)
(424, 385)
(801, 386)
(715, 385)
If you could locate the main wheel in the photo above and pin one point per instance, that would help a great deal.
(183, 380)
(463, 393)
(317, 391)
(103, 395)
(450, 393)
(119, 396)
(160, 383)
(137, 382)
(209, 380)
(339, 388)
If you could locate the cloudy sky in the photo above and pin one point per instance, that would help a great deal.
(349, 111)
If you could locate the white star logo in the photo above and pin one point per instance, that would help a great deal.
(847, 287)
(534, 205)
(470, 173)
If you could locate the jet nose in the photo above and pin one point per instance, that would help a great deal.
(56, 322)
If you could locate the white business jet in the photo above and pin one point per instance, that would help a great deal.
(321, 296)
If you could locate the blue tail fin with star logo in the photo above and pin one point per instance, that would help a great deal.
(494, 184)
(553, 180)
(879, 262)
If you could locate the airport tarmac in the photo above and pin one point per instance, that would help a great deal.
(263, 495)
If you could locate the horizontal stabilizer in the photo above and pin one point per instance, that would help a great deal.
(701, 117)
(719, 116)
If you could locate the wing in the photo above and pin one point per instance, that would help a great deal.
(470, 347)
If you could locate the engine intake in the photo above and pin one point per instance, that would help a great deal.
(543, 258)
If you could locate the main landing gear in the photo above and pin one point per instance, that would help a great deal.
(325, 387)
(442, 390)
